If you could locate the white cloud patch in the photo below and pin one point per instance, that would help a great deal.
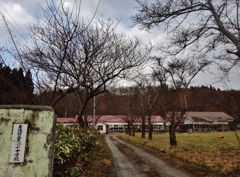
(21, 13)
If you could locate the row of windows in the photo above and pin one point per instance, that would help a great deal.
(158, 127)
(123, 127)
(211, 126)
(117, 127)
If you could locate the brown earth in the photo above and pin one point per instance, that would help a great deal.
(130, 160)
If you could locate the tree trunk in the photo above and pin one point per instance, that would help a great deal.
(129, 129)
(143, 127)
(80, 120)
(172, 134)
(85, 120)
(150, 130)
(81, 114)
(150, 127)
(133, 129)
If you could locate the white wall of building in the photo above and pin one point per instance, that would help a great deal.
(102, 128)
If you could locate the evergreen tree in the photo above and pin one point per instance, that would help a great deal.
(29, 82)
(15, 88)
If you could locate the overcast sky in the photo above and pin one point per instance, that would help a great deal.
(21, 13)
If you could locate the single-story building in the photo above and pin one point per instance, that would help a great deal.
(192, 122)
(205, 122)
(119, 122)
(111, 123)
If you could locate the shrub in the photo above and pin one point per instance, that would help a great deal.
(73, 146)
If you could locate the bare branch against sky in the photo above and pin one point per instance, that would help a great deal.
(20, 14)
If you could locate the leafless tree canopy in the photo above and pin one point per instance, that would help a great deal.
(70, 54)
(210, 26)
(179, 73)
(147, 95)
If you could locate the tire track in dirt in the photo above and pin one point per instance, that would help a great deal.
(140, 164)
(123, 166)
(158, 167)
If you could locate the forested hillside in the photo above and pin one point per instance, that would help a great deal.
(200, 98)
(16, 87)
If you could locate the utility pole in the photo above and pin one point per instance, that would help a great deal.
(94, 111)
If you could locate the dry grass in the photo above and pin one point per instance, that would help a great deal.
(100, 162)
(218, 153)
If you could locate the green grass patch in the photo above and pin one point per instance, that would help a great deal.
(209, 153)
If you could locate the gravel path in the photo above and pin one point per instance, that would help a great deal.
(124, 167)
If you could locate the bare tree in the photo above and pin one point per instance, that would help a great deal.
(147, 96)
(229, 101)
(205, 27)
(126, 106)
(72, 55)
(130, 120)
(177, 73)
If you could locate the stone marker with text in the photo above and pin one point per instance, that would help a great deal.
(27, 135)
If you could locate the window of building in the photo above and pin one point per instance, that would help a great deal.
(158, 127)
(115, 127)
(120, 127)
(100, 127)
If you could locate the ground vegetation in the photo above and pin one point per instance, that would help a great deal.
(204, 154)
(81, 152)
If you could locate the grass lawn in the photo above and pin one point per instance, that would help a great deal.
(207, 153)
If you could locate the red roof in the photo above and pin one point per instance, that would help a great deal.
(67, 120)
(208, 116)
(108, 118)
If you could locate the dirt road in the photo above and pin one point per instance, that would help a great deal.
(131, 160)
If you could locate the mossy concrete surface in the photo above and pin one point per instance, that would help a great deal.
(39, 150)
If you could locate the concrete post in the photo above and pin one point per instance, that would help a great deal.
(29, 155)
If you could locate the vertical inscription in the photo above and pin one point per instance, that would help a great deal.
(18, 143)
